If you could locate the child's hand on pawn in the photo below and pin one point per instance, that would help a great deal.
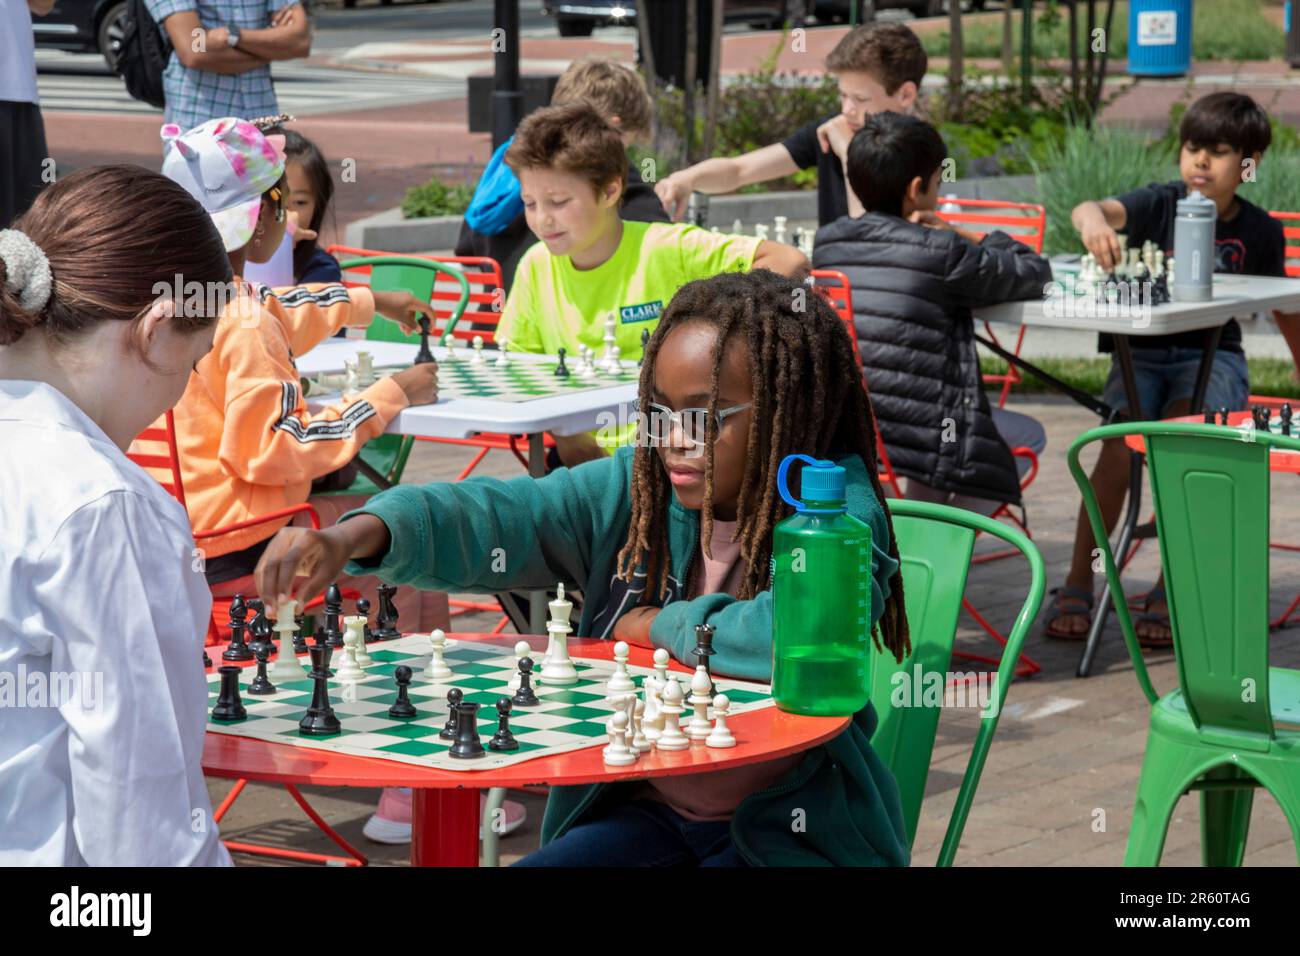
(634, 626)
(317, 556)
(1103, 242)
(403, 308)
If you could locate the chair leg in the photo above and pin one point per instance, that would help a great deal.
(496, 798)
(256, 849)
(1155, 804)
(473, 464)
(1225, 818)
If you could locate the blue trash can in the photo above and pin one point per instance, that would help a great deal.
(1159, 37)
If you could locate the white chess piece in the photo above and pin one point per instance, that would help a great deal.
(610, 337)
(661, 665)
(557, 667)
(502, 358)
(778, 228)
(652, 716)
(612, 365)
(522, 650)
(621, 682)
(721, 735)
(478, 351)
(618, 754)
(365, 369)
(357, 625)
(760, 231)
(286, 666)
(640, 742)
(437, 669)
(349, 670)
(671, 736)
(738, 228)
(698, 728)
(452, 342)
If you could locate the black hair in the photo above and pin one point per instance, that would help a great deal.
(298, 148)
(885, 156)
(1226, 117)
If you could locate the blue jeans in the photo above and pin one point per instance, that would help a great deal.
(640, 833)
(1165, 376)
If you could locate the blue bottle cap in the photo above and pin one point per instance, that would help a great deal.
(821, 481)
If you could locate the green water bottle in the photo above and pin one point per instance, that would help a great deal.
(821, 597)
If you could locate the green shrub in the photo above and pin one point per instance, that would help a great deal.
(1268, 376)
(436, 198)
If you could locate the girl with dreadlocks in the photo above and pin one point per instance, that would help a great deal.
(742, 370)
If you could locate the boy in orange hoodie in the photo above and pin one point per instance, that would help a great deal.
(248, 444)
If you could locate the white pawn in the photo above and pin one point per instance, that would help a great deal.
(721, 735)
(502, 358)
(451, 349)
(618, 754)
(652, 715)
(522, 650)
(357, 625)
(612, 365)
(698, 728)
(640, 742)
(621, 682)
(778, 228)
(478, 351)
(671, 736)
(661, 665)
(737, 228)
(349, 671)
(760, 231)
(437, 669)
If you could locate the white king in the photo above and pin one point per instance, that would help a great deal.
(557, 668)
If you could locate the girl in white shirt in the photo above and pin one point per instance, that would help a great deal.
(103, 605)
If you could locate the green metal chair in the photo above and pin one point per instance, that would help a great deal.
(1233, 724)
(387, 454)
(935, 544)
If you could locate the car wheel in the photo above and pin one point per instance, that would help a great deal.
(109, 35)
(574, 27)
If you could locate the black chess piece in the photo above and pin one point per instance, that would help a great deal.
(503, 739)
(328, 652)
(238, 650)
(304, 628)
(467, 743)
(1261, 416)
(561, 370)
(333, 613)
(524, 696)
(229, 707)
(1209, 416)
(454, 697)
(260, 628)
(363, 609)
(261, 684)
(704, 647)
(320, 720)
(1286, 418)
(402, 709)
(207, 661)
(1223, 415)
(424, 356)
(645, 338)
(386, 617)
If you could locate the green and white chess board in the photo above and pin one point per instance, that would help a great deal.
(567, 718)
(521, 380)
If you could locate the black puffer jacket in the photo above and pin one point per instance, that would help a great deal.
(913, 291)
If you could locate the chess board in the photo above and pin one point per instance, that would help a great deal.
(568, 718)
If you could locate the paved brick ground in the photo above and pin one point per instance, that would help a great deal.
(1059, 785)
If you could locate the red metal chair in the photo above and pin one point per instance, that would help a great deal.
(834, 286)
(1025, 222)
(166, 468)
(1289, 234)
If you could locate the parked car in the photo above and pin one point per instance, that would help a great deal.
(83, 26)
(577, 18)
(829, 11)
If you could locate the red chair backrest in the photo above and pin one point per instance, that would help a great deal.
(1290, 233)
(1022, 221)
(163, 464)
(486, 289)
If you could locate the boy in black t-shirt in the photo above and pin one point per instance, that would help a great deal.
(1222, 135)
(879, 67)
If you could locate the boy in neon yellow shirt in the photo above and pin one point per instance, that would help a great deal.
(572, 168)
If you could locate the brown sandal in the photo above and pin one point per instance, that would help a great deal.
(1068, 600)
(1148, 616)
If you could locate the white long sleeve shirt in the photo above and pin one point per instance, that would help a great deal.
(103, 608)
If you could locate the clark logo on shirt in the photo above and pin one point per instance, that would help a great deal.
(645, 312)
(75, 908)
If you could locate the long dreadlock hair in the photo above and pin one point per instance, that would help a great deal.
(809, 398)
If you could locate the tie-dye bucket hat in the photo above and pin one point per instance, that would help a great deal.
(226, 164)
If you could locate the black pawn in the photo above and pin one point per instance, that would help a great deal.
(424, 356)
(524, 696)
(229, 707)
(454, 697)
(503, 739)
(645, 339)
(238, 650)
(261, 685)
(1223, 416)
(1209, 416)
(561, 370)
(1286, 418)
(402, 709)
(320, 720)
(207, 661)
(333, 611)
(467, 743)
(300, 635)
(259, 628)
(386, 616)
(363, 609)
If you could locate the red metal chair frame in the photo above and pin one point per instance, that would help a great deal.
(171, 463)
(1030, 221)
(834, 286)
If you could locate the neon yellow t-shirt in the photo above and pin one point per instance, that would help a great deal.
(552, 305)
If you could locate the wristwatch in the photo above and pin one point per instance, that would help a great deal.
(232, 36)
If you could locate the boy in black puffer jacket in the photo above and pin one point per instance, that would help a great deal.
(915, 280)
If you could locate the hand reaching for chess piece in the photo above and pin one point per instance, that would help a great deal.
(419, 382)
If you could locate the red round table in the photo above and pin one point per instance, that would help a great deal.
(445, 804)
(1278, 460)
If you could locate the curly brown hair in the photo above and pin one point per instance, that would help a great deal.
(809, 397)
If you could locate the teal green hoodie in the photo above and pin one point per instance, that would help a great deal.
(838, 806)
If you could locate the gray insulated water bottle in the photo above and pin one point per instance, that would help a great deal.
(1194, 249)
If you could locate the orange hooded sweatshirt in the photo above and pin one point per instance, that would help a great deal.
(248, 445)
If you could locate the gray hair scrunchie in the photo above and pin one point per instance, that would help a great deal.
(28, 270)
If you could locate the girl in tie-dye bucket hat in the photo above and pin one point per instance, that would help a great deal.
(248, 444)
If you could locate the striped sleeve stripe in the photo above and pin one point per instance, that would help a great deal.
(298, 296)
(338, 430)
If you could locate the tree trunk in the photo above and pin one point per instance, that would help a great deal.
(692, 67)
(1089, 67)
(956, 65)
(1008, 41)
(1074, 51)
(1094, 107)
(647, 53)
(713, 88)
